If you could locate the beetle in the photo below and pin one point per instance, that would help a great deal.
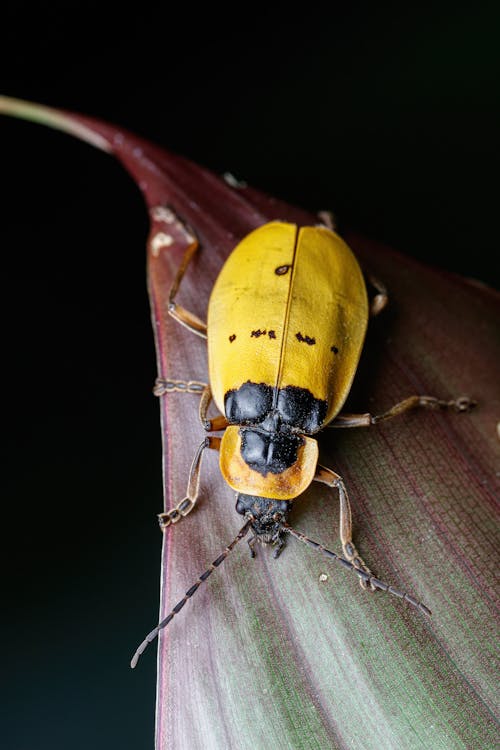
(281, 365)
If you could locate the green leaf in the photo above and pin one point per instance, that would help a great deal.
(291, 653)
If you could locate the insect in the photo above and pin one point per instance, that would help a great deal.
(287, 319)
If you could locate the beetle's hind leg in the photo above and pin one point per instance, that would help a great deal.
(379, 302)
(327, 220)
(458, 405)
(330, 478)
(215, 423)
(179, 313)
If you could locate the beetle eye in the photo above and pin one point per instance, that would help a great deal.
(240, 506)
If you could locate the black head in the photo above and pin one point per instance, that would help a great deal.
(267, 515)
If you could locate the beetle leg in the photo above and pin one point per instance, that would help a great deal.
(463, 403)
(352, 420)
(163, 386)
(327, 220)
(179, 313)
(330, 478)
(216, 423)
(187, 504)
(379, 302)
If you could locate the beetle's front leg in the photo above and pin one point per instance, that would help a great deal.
(330, 478)
(186, 505)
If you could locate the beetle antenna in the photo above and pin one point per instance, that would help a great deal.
(189, 593)
(367, 577)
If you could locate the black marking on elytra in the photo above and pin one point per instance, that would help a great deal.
(258, 333)
(307, 339)
(232, 338)
(271, 334)
(274, 410)
(282, 270)
(334, 349)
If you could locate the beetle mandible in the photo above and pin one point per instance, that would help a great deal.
(281, 365)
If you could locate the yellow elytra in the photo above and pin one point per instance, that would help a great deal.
(287, 318)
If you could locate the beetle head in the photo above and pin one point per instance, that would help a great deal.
(266, 514)
(265, 508)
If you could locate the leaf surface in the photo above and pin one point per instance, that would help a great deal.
(291, 653)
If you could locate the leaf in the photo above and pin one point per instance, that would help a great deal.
(291, 653)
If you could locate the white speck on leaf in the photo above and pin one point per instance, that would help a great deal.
(160, 240)
(162, 213)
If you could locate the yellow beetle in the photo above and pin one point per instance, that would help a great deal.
(287, 319)
(277, 364)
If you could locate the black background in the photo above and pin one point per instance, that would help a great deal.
(384, 113)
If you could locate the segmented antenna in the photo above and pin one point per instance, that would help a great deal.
(189, 593)
(367, 577)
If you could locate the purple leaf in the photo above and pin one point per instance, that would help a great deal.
(291, 652)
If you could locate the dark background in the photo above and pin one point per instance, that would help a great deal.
(384, 113)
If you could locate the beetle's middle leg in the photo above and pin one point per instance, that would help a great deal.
(163, 386)
(463, 403)
(187, 504)
(330, 478)
(179, 313)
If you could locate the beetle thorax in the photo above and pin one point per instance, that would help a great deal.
(268, 451)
